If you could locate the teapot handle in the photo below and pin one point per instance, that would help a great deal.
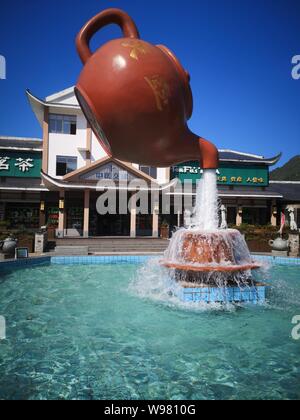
(107, 17)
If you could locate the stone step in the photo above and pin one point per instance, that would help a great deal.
(107, 243)
(72, 250)
(84, 246)
(86, 250)
(126, 245)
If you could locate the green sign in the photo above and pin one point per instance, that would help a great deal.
(20, 164)
(257, 176)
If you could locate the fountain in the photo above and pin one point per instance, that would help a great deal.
(137, 99)
(212, 264)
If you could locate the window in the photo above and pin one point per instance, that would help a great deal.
(231, 215)
(149, 170)
(255, 216)
(65, 165)
(62, 124)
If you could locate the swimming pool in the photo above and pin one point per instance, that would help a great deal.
(114, 331)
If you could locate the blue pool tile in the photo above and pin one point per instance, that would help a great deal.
(98, 260)
(250, 294)
(30, 262)
(277, 260)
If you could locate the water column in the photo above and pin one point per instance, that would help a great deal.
(205, 217)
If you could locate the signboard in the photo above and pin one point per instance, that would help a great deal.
(110, 172)
(22, 253)
(20, 164)
(255, 176)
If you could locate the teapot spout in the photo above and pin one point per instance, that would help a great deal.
(209, 155)
(197, 148)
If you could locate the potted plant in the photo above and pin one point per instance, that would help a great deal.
(26, 240)
(165, 230)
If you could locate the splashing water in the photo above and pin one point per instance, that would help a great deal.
(205, 216)
(157, 284)
(202, 255)
(231, 248)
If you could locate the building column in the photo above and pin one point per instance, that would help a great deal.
(42, 213)
(179, 218)
(239, 215)
(45, 140)
(155, 221)
(89, 134)
(86, 214)
(62, 215)
(133, 218)
(274, 212)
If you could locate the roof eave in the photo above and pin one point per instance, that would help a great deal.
(56, 184)
(61, 94)
(38, 106)
(268, 162)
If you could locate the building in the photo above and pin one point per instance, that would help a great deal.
(20, 181)
(55, 181)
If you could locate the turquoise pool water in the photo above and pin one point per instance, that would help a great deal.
(116, 332)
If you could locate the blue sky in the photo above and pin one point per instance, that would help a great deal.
(238, 52)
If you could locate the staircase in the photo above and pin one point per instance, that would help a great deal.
(108, 246)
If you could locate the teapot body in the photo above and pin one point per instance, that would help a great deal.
(279, 244)
(8, 246)
(137, 97)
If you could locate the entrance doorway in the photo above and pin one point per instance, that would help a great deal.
(108, 224)
(113, 225)
(255, 216)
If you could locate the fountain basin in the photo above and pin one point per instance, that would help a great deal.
(208, 252)
(211, 268)
(254, 294)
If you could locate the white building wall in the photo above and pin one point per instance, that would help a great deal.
(162, 176)
(97, 151)
(66, 97)
(68, 145)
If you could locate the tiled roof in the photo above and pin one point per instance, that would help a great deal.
(20, 143)
(289, 190)
(249, 192)
(234, 156)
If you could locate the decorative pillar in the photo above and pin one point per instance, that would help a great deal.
(294, 244)
(86, 214)
(155, 221)
(62, 214)
(45, 140)
(274, 212)
(239, 216)
(133, 218)
(42, 213)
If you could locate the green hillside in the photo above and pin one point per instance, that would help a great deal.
(289, 172)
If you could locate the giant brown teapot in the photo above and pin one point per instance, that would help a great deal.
(137, 98)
